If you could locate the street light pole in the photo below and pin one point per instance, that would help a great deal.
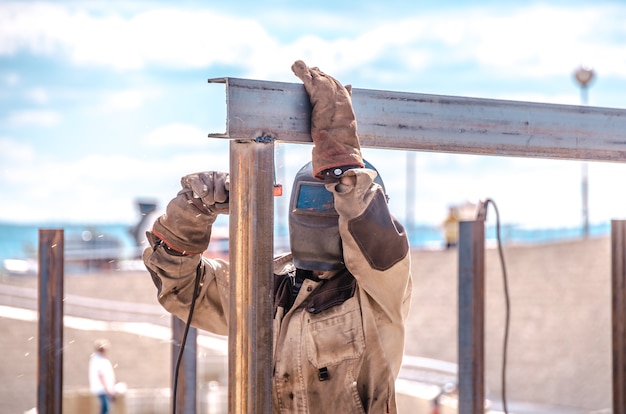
(584, 75)
(410, 192)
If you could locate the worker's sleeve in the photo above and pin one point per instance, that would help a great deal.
(174, 276)
(375, 245)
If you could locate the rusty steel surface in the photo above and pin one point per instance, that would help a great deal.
(251, 277)
(423, 122)
(50, 352)
(618, 281)
(471, 358)
(388, 120)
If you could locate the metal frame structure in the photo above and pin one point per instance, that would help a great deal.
(406, 121)
(471, 311)
(618, 313)
(412, 121)
(260, 112)
(186, 395)
(50, 306)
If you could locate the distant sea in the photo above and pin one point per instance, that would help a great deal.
(20, 241)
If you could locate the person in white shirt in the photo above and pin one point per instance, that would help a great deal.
(101, 375)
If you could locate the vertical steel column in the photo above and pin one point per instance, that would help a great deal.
(50, 358)
(186, 392)
(471, 317)
(251, 277)
(618, 287)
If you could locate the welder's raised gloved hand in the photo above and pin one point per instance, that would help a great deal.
(333, 123)
(211, 188)
(185, 228)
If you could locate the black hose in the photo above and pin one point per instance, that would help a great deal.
(196, 292)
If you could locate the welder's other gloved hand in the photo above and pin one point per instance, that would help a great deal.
(185, 228)
(333, 123)
(211, 188)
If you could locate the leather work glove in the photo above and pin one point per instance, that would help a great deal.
(185, 228)
(211, 187)
(333, 123)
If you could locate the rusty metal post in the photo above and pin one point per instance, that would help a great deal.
(251, 276)
(618, 287)
(50, 358)
(186, 392)
(471, 317)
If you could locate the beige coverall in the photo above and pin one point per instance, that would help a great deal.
(338, 344)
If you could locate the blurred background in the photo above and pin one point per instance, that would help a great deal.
(104, 105)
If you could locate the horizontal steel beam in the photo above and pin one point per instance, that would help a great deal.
(412, 121)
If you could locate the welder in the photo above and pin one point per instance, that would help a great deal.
(341, 296)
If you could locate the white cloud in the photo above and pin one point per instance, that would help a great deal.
(535, 40)
(13, 152)
(95, 188)
(34, 117)
(165, 36)
(539, 40)
(176, 136)
(527, 191)
(524, 41)
(128, 99)
(512, 43)
(100, 188)
(11, 79)
(103, 188)
(39, 96)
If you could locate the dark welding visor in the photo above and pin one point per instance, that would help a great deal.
(314, 199)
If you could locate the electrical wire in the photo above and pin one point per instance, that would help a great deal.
(507, 302)
(196, 289)
(196, 292)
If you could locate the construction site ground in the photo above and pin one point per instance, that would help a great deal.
(559, 353)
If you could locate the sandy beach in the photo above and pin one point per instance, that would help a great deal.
(559, 343)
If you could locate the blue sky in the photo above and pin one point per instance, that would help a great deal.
(102, 102)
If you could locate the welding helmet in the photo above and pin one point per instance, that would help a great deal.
(314, 223)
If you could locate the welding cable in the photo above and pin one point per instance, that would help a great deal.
(196, 293)
(507, 304)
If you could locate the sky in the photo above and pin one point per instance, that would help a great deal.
(106, 102)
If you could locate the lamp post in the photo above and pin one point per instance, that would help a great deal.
(584, 75)
(410, 192)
